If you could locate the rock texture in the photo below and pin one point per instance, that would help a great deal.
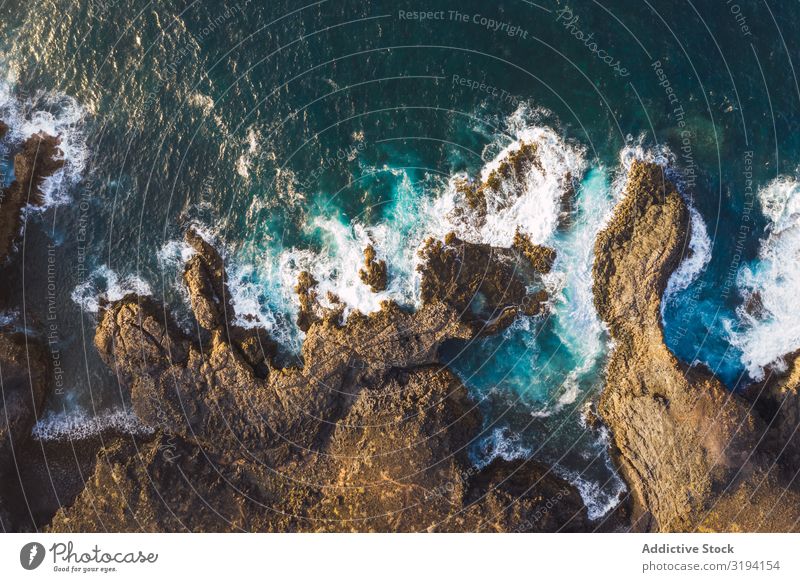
(687, 447)
(487, 286)
(370, 433)
(38, 159)
(373, 273)
(540, 257)
(24, 370)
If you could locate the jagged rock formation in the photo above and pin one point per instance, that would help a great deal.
(24, 367)
(487, 286)
(373, 273)
(686, 446)
(369, 433)
(38, 159)
(540, 257)
(511, 168)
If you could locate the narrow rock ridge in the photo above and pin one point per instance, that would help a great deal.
(38, 159)
(24, 364)
(686, 446)
(370, 433)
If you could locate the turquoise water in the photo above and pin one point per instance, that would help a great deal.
(294, 134)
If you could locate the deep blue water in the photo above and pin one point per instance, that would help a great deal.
(296, 133)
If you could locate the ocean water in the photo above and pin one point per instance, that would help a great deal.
(293, 134)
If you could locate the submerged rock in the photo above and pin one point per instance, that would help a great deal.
(369, 433)
(685, 445)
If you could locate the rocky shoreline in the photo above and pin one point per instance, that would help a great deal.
(691, 452)
(23, 361)
(370, 432)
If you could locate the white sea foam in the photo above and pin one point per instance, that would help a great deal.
(695, 262)
(599, 498)
(773, 331)
(175, 253)
(531, 204)
(245, 162)
(79, 424)
(419, 209)
(53, 114)
(336, 266)
(105, 284)
(501, 443)
(693, 265)
(201, 101)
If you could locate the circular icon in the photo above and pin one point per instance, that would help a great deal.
(31, 555)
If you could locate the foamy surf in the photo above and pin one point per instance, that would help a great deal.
(263, 276)
(52, 114)
(531, 204)
(769, 321)
(501, 443)
(694, 263)
(104, 284)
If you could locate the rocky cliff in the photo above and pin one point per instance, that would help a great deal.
(688, 448)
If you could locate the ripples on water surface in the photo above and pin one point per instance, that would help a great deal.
(294, 135)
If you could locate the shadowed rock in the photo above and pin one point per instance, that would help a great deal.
(370, 433)
(39, 158)
(487, 286)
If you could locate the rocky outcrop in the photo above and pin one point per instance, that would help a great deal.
(38, 159)
(777, 399)
(686, 446)
(486, 286)
(370, 433)
(540, 257)
(510, 169)
(373, 273)
(24, 370)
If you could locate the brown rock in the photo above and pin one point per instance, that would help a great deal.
(370, 433)
(685, 445)
(486, 286)
(38, 159)
(541, 257)
(373, 274)
(307, 296)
